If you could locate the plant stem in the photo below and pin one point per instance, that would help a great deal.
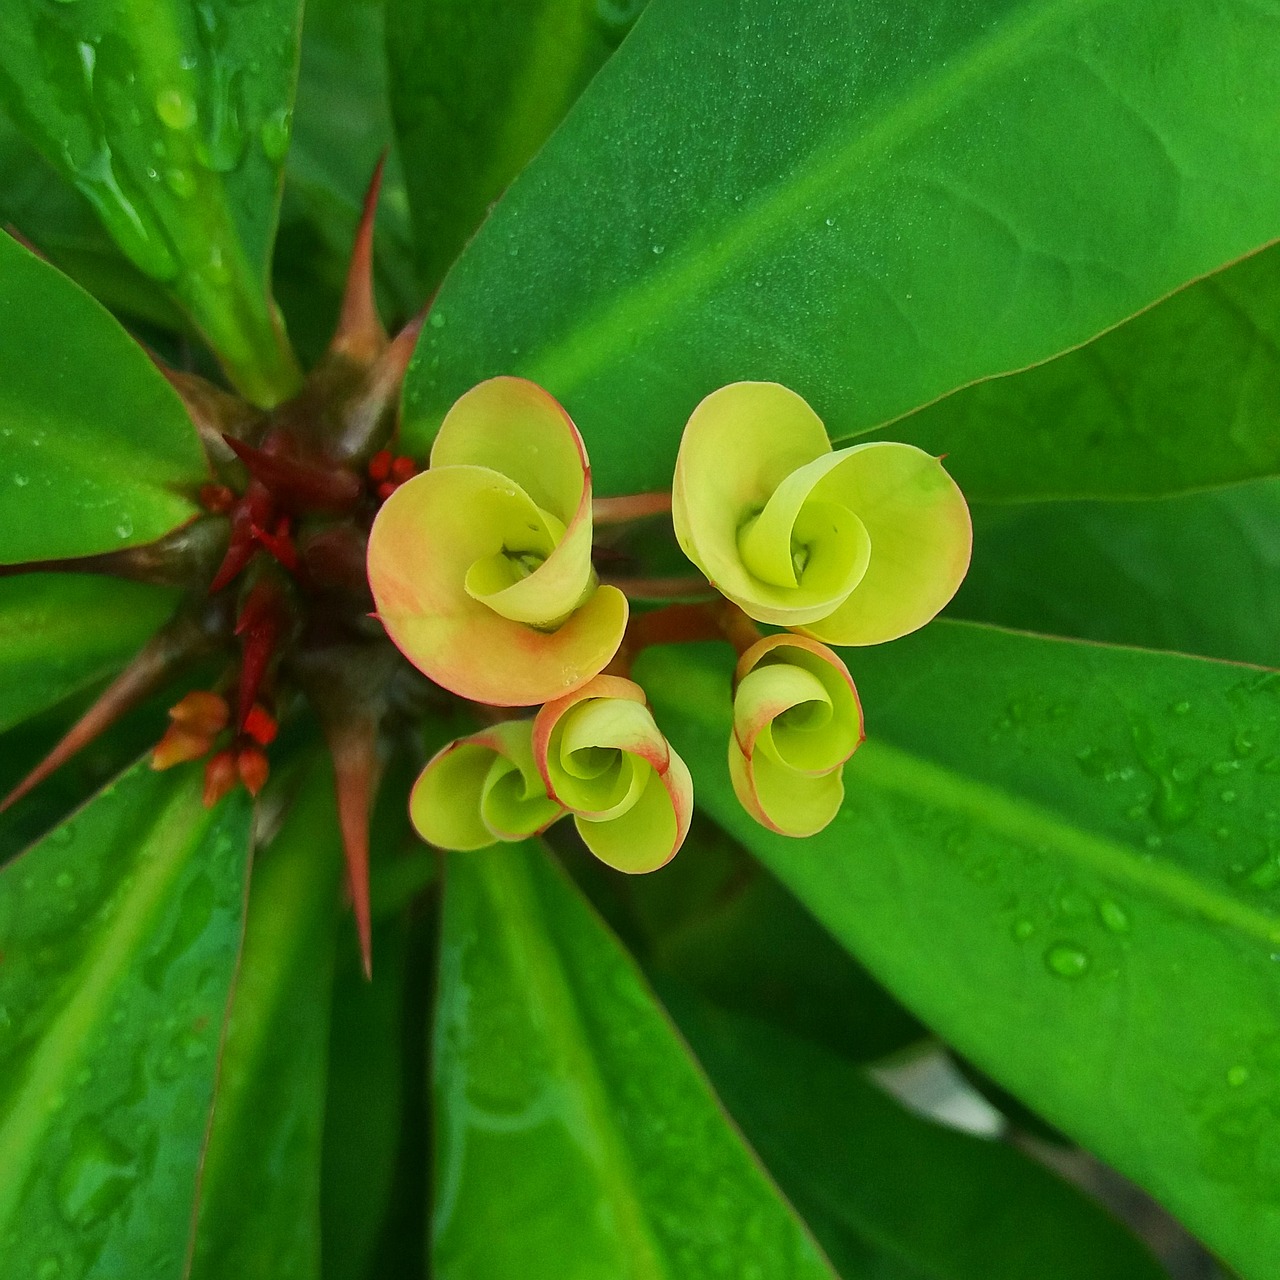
(631, 506)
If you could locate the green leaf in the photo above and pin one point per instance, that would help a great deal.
(869, 203)
(121, 932)
(54, 216)
(870, 1177)
(559, 1081)
(477, 88)
(173, 120)
(342, 124)
(1066, 859)
(713, 918)
(1182, 396)
(1195, 573)
(59, 633)
(259, 1214)
(96, 446)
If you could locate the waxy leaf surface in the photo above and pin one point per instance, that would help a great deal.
(120, 932)
(172, 118)
(1065, 858)
(60, 633)
(870, 204)
(477, 86)
(559, 1080)
(1182, 396)
(872, 1179)
(259, 1215)
(1195, 573)
(95, 445)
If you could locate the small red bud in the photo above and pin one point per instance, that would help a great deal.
(201, 711)
(403, 468)
(216, 498)
(260, 725)
(219, 777)
(386, 489)
(380, 465)
(254, 768)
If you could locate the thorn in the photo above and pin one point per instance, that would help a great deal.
(220, 776)
(250, 513)
(367, 413)
(214, 413)
(261, 620)
(279, 544)
(164, 655)
(254, 768)
(360, 335)
(300, 487)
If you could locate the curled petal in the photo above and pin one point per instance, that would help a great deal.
(483, 789)
(854, 546)
(604, 758)
(438, 553)
(796, 720)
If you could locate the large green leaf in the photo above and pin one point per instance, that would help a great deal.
(95, 445)
(60, 633)
(120, 933)
(172, 118)
(575, 1135)
(871, 1178)
(477, 87)
(1066, 858)
(872, 203)
(1196, 573)
(259, 1215)
(1182, 396)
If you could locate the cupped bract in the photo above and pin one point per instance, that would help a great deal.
(483, 789)
(852, 546)
(796, 720)
(481, 566)
(604, 758)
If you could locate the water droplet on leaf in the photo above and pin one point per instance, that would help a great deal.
(1066, 960)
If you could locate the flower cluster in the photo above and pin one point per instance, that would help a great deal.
(481, 568)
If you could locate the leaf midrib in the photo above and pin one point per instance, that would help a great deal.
(898, 772)
(508, 882)
(177, 831)
(567, 364)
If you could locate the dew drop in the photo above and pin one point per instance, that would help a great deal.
(1113, 915)
(437, 319)
(175, 110)
(181, 182)
(21, 481)
(1180, 708)
(276, 131)
(1066, 960)
(64, 880)
(124, 526)
(96, 1178)
(1237, 1075)
(1023, 929)
(659, 248)
(831, 222)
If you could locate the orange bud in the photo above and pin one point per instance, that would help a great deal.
(179, 745)
(201, 712)
(219, 777)
(254, 768)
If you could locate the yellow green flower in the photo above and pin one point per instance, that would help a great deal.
(483, 789)
(796, 720)
(852, 546)
(604, 758)
(481, 566)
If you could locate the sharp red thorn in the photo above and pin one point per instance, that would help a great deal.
(360, 334)
(160, 659)
(300, 487)
(279, 543)
(220, 776)
(353, 746)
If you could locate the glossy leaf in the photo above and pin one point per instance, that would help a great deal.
(45, 208)
(172, 119)
(869, 204)
(1196, 573)
(872, 1179)
(61, 633)
(259, 1213)
(95, 445)
(1064, 858)
(121, 932)
(477, 87)
(1182, 396)
(559, 1081)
